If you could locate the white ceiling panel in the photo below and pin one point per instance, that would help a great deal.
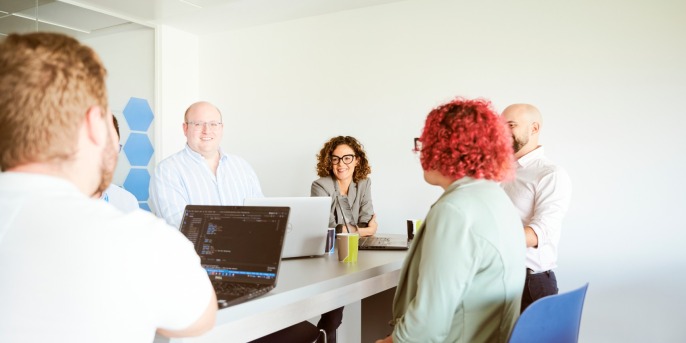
(194, 16)
(13, 24)
(72, 16)
(206, 16)
(12, 6)
(23, 16)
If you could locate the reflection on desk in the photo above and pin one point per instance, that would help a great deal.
(305, 289)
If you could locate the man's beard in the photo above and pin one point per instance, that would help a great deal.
(518, 144)
(107, 165)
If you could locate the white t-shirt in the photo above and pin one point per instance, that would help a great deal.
(75, 269)
(120, 198)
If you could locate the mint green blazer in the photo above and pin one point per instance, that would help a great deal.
(463, 276)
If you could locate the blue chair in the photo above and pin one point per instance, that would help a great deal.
(552, 319)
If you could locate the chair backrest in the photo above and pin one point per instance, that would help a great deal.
(554, 319)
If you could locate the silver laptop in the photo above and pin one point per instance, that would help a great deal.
(385, 241)
(308, 223)
(379, 241)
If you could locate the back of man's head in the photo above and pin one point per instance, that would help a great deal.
(48, 81)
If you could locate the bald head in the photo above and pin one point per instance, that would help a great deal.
(525, 112)
(200, 106)
(525, 122)
(203, 129)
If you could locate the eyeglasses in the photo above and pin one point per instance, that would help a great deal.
(417, 146)
(120, 147)
(347, 159)
(199, 125)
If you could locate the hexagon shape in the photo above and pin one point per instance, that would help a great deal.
(138, 149)
(137, 182)
(144, 205)
(138, 114)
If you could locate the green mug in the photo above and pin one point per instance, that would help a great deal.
(346, 244)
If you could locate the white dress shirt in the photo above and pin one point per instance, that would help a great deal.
(541, 192)
(185, 179)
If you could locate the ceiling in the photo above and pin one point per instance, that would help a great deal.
(49, 15)
(87, 17)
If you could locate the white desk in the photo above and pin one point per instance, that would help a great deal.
(306, 288)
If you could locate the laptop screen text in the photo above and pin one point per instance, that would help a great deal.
(234, 244)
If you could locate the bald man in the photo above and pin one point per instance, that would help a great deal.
(541, 191)
(201, 173)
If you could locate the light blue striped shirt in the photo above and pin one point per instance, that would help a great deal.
(185, 178)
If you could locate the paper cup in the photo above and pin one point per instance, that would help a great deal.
(346, 244)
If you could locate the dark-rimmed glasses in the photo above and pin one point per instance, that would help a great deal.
(199, 125)
(120, 146)
(347, 159)
(417, 146)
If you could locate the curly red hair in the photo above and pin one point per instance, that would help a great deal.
(467, 138)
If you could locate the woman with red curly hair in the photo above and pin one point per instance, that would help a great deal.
(462, 278)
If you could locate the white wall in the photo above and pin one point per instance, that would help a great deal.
(129, 56)
(609, 77)
(177, 86)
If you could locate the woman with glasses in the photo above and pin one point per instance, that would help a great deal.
(463, 276)
(343, 169)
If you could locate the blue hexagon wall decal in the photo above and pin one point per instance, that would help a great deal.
(144, 205)
(138, 114)
(138, 149)
(137, 182)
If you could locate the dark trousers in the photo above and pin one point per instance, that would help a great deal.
(538, 286)
(329, 322)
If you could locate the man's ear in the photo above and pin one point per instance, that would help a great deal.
(535, 126)
(95, 125)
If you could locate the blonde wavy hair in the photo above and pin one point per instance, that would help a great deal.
(48, 81)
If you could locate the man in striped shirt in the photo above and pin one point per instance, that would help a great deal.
(202, 173)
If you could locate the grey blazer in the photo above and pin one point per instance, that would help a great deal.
(357, 205)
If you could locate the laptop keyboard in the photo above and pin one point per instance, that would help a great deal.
(376, 241)
(238, 289)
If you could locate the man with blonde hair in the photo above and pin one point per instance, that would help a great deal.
(73, 268)
(541, 192)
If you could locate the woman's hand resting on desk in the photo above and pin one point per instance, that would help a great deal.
(370, 229)
(388, 339)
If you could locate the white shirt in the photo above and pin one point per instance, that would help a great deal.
(75, 269)
(185, 179)
(120, 198)
(541, 192)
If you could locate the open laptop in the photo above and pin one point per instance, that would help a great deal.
(239, 247)
(307, 223)
(378, 241)
(384, 241)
